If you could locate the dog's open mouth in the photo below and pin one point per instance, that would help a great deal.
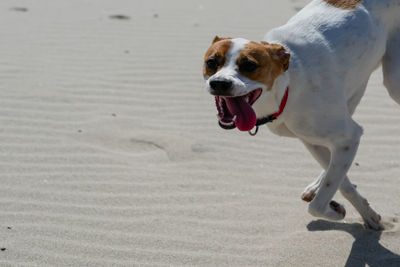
(237, 111)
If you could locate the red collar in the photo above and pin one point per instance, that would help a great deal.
(282, 106)
(274, 116)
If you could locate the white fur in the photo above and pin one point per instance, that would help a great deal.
(333, 52)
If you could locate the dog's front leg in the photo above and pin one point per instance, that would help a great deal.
(311, 190)
(349, 191)
(370, 217)
(342, 154)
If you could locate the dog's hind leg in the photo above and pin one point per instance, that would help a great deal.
(349, 191)
(391, 65)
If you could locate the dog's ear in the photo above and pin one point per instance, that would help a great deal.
(278, 53)
(217, 38)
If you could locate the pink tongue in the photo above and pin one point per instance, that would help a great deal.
(245, 116)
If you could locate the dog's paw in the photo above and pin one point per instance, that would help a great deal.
(310, 192)
(334, 211)
(308, 196)
(374, 223)
(373, 220)
(339, 209)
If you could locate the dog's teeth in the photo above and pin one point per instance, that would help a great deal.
(234, 118)
(226, 123)
(220, 105)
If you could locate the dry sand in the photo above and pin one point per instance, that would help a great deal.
(110, 153)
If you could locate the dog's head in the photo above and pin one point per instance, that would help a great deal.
(237, 73)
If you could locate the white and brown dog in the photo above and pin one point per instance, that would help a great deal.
(306, 78)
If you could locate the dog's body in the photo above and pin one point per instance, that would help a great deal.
(324, 57)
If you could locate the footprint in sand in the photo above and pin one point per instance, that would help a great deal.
(391, 224)
(165, 146)
(145, 145)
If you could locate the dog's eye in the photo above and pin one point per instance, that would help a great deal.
(212, 64)
(247, 66)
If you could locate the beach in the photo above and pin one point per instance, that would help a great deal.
(111, 155)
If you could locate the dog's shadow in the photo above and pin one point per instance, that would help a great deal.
(366, 249)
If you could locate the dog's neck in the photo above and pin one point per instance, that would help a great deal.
(270, 100)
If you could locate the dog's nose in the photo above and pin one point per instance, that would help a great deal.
(221, 85)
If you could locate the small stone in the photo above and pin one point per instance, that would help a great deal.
(357, 164)
(79, 131)
(114, 115)
(155, 15)
(2, 249)
(9, 227)
(19, 9)
(120, 17)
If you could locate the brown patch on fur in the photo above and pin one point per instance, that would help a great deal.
(344, 4)
(218, 51)
(272, 61)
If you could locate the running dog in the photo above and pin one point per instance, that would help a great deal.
(305, 79)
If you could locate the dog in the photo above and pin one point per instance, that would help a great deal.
(305, 80)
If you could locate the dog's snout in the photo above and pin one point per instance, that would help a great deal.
(221, 85)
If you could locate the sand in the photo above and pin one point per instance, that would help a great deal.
(110, 153)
